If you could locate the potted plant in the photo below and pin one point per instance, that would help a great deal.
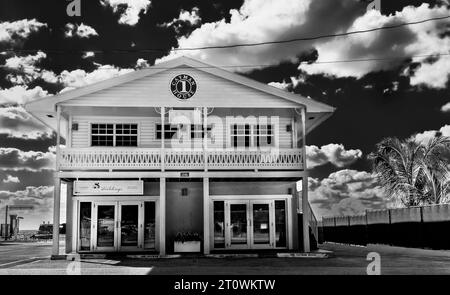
(187, 242)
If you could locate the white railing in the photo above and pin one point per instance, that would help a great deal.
(178, 159)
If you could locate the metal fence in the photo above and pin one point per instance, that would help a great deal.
(421, 227)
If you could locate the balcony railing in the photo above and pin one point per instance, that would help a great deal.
(178, 159)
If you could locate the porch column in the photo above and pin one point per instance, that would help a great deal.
(205, 137)
(163, 136)
(57, 186)
(162, 216)
(206, 221)
(305, 203)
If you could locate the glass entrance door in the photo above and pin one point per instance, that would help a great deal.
(237, 225)
(130, 226)
(105, 227)
(262, 225)
(249, 224)
(121, 226)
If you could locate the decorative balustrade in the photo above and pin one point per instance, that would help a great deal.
(178, 159)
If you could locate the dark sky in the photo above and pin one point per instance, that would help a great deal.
(373, 100)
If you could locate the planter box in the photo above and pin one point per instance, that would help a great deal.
(191, 246)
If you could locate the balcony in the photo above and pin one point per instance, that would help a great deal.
(179, 159)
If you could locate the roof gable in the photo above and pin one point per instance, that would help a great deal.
(93, 91)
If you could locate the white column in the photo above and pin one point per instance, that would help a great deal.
(206, 221)
(162, 216)
(305, 202)
(57, 186)
(163, 110)
(205, 137)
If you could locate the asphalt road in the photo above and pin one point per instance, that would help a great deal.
(20, 259)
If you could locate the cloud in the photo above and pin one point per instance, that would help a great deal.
(281, 85)
(346, 192)
(142, 63)
(291, 19)
(259, 21)
(81, 31)
(17, 123)
(186, 18)
(129, 9)
(12, 159)
(445, 108)
(25, 70)
(88, 54)
(20, 95)
(15, 32)
(79, 78)
(335, 154)
(425, 136)
(414, 40)
(11, 179)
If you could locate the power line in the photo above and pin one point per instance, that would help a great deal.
(233, 45)
(156, 67)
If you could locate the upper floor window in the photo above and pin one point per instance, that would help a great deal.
(114, 135)
(246, 135)
(170, 131)
(264, 135)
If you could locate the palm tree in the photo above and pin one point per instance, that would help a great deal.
(413, 173)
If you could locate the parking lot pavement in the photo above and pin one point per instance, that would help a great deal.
(345, 260)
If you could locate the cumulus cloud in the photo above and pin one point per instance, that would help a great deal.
(20, 95)
(251, 24)
(11, 179)
(88, 54)
(81, 31)
(335, 154)
(142, 63)
(15, 32)
(281, 85)
(24, 69)
(190, 18)
(17, 123)
(289, 17)
(129, 9)
(346, 192)
(407, 42)
(445, 108)
(425, 136)
(79, 78)
(12, 159)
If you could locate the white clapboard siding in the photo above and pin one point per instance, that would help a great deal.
(212, 91)
(147, 132)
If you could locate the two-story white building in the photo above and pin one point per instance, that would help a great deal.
(180, 147)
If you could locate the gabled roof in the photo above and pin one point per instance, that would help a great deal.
(49, 103)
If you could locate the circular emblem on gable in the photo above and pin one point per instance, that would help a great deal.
(183, 86)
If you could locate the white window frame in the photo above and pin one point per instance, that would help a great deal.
(114, 134)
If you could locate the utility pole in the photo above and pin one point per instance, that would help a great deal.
(5, 232)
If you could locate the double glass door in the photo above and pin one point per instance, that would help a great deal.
(249, 224)
(121, 226)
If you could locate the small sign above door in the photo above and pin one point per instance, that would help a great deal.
(108, 187)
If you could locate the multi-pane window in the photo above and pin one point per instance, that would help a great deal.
(114, 134)
(102, 134)
(264, 135)
(169, 131)
(246, 135)
(197, 131)
(240, 135)
(126, 134)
